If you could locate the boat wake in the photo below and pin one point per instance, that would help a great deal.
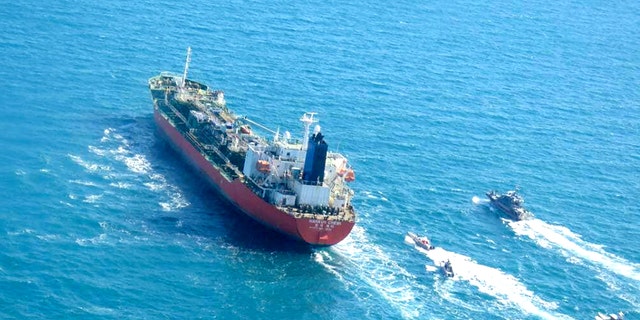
(477, 200)
(364, 261)
(115, 147)
(573, 247)
(504, 287)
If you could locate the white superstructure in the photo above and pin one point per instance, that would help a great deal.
(277, 168)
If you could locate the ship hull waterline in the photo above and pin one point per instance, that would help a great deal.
(321, 232)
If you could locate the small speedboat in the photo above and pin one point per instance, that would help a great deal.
(613, 316)
(422, 242)
(447, 269)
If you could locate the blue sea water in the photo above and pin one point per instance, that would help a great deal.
(434, 103)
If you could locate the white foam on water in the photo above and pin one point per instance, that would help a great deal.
(106, 134)
(154, 186)
(115, 147)
(325, 259)
(99, 239)
(176, 202)
(445, 290)
(140, 165)
(93, 198)
(109, 134)
(382, 197)
(23, 231)
(97, 151)
(429, 268)
(477, 200)
(136, 163)
(48, 237)
(574, 260)
(369, 263)
(378, 196)
(97, 310)
(90, 167)
(572, 246)
(65, 203)
(119, 150)
(502, 286)
(120, 185)
(84, 183)
(157, 183)
(622, 289)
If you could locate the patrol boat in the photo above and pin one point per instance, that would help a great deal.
(511, 203)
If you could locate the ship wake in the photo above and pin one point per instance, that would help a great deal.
(356, 260)
(504, 287)
(477, 200)
(113, 149)
(591, 255)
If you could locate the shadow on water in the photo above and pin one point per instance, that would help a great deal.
(209, 215)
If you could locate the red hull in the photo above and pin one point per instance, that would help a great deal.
(312, 231)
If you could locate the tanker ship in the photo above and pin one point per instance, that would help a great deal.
(296, 187)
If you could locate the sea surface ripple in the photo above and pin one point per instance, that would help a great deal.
(434, 103)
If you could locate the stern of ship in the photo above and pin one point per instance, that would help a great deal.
(323, 232)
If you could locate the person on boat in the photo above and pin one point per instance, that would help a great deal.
(426, 243)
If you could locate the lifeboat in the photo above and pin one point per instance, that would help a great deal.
(342, 171)
(245, 129)
(263, 166)
(350, 176)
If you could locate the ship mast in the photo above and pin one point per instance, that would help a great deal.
(307, 119)
(186, 67)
